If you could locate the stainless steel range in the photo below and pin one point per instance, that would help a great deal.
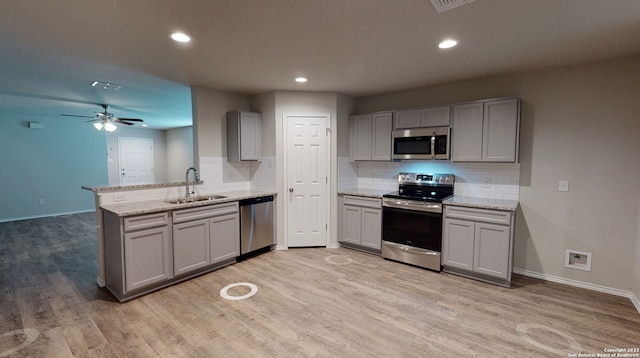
(412, 219)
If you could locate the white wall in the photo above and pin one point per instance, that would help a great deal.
(581, 124)
(179, 152)
(263, 174)
(636, 270)
(210, 140)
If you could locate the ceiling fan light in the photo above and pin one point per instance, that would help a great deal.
(98, 125)
(110, 127)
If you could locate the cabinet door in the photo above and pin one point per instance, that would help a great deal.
(492, 250)
(500, 131)
(351, 224)
(435, 116)
(409, 118)
(190, 246)
(147, 257)
(250, 136)
(361, 137)
(382, 127)
(457, 244)
(466, 132)
(225, 237)
(371, 228)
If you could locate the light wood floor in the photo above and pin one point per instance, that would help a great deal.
(310, 303)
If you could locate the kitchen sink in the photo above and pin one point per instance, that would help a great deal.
(195, 199)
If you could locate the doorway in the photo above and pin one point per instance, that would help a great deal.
(135, 161)
(306, 180)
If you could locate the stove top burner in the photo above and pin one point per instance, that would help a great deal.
(423, 187)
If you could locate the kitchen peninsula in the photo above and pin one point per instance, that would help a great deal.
(140, 219)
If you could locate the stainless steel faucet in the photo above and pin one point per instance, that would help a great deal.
(196, 178)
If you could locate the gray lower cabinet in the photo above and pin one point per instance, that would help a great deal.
(138, 252)
(478, 243)
(147, 252)
(225, 237)
(191, 246)
(362, 222)
(204, 236)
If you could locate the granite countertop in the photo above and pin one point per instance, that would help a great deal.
(370, 193)
(101, 189)
(154, 206)
(483, 203)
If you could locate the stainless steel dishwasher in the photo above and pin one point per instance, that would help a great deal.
(256, 224)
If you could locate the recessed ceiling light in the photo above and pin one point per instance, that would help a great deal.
(180, 37)
(447, 43)
(144, 125)
(301, 79)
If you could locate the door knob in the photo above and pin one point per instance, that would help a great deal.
(291, 190)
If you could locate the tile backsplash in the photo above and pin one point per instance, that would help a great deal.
(482, 180)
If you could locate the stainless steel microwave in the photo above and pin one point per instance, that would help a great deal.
(422, 143)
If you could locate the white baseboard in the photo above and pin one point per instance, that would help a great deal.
(281, 247)
(333, 246)
(589, 286)
(4, 220)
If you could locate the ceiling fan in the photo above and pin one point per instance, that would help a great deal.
(106, 120)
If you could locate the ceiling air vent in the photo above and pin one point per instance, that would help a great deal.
(106, 85)
(444, 5)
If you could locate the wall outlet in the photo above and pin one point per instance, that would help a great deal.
(119, 197)
(578, 260)
(563, 185)
(486, 182)
(41, 202)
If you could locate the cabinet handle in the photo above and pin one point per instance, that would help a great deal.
(291, 190)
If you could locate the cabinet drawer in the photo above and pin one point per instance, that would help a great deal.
(362, 201)
(204, 212)
(145, 221)
(482, 215)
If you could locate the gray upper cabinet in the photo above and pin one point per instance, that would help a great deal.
(422, 117)
(435, 116)
(486, 131)
(500, 130)
(371, 136)
(407, 118)
(466, 132)
(244, 136)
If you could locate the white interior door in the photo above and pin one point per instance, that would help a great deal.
(136, 161)
(306, 180)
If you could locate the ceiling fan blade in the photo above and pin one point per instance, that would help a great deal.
(129, 119)
(74, 115)
(93, 120)
(121, 122)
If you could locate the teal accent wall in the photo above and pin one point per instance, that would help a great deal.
(49, 163)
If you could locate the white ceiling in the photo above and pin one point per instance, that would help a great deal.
(52, 50)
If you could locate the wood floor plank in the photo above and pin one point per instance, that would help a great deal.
(310, 303)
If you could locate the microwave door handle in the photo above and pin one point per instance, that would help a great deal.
(433, 145)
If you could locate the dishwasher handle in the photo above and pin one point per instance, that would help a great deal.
(258, 200)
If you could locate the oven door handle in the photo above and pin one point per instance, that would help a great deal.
(426, 207)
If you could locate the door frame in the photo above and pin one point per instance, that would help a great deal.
(285, 171)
